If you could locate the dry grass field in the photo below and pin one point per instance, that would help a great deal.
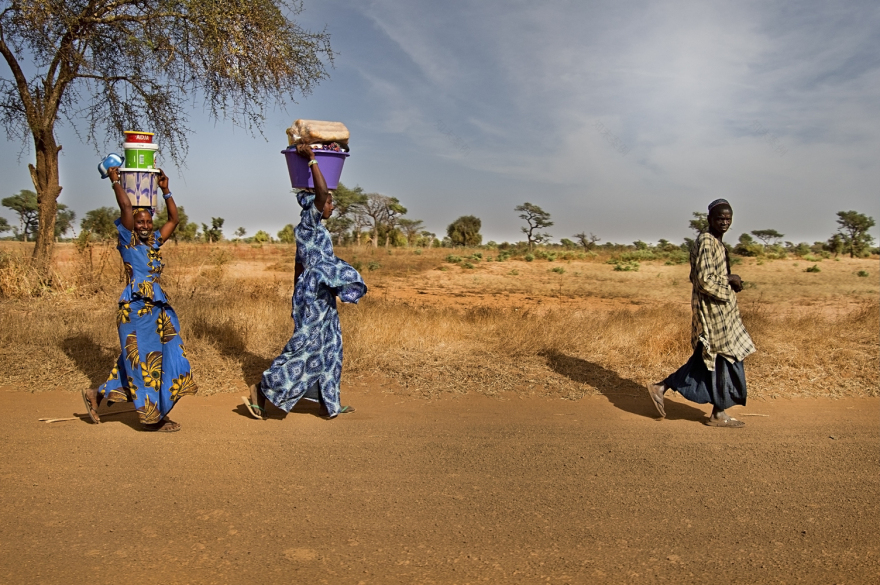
(566, 328)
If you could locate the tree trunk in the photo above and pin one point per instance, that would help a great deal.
(48, 187)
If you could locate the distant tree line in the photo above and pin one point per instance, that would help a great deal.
(374, 219)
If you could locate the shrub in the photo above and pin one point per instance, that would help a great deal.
(631, 266)
(634, 255)
(453, 259)
(558, 270)
(417, 251)
(373, 265)
(812, 268)
(468, 266)
(528, 257)
(514, 272)
(862, 273)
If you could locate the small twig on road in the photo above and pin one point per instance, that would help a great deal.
(83, 416)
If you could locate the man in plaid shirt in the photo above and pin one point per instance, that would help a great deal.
(714, 373)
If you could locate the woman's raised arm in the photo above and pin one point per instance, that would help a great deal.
(322, 194)
(125, 216)
(166, 230)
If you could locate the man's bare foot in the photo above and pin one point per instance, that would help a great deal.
(92, 400)
(656, 392)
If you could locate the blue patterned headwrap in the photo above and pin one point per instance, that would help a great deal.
(305, 198)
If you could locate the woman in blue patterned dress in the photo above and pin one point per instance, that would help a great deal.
(152, 371)
(310, 364)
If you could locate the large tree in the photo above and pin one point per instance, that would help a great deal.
(536, 219)
(25, 204)
(853, 229)
(287, 235)
(411, 228)
(100, 222)
(346, 203)
(768, 237)
(382, 213)
(700, 222)
(215, 232)
(465, 231)
(129, 64)
(588, 242)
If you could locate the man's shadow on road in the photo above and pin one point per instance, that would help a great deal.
(231, 344)
(623, 393)
(95, 362)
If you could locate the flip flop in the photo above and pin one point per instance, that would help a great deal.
(657, 399)
(727, 423)
(255, 410)
(93, 413)
(342, 410)
(163, 426)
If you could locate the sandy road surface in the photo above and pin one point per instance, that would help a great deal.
(459, 490)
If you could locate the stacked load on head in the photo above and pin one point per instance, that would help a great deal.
(329, 142)
(137, 173)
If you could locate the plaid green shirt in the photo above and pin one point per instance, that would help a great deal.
(716, 319)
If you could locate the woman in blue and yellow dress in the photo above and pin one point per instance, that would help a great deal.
(310, 365)
(152, 371)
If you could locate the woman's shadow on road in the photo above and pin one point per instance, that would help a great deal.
(231, 344)
(95, 362)
(623, 393)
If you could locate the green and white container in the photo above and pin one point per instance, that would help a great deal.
(140, 156)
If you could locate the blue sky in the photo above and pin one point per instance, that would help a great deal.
(618, 118)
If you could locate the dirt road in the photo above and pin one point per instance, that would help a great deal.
(459, 490)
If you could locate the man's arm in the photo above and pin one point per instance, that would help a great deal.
(709, 279)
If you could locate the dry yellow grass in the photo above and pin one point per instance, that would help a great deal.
(436, 327)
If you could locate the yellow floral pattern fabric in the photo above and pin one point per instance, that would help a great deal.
(165, 328)
(143, 266)
(152, 371)
(123, 314)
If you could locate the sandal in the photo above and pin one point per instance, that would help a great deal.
(163, 426)
(342, 410)
(255, 409)
(91, 407)
(656, 392)
(728, 423)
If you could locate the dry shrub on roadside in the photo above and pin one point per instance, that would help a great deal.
(235, 317)
(807, 354)
(489, 350)
(18, 277)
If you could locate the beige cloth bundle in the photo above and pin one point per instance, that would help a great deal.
(317, 131)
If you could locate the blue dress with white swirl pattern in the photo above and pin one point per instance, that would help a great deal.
(313, 356)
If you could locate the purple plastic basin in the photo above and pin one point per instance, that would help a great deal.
(330, 162)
